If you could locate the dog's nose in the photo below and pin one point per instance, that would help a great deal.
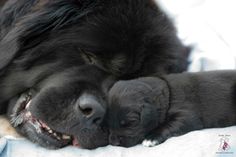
(92, 111)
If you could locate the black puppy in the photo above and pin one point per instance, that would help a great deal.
(66, 50)
(155, 109)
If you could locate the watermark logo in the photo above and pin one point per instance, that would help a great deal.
(224, 145)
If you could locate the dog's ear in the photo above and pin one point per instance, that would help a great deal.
(8, 49)
(82, 3)
(36, 27)
(52, 17)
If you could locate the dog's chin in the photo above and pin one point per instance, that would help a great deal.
(39, 132)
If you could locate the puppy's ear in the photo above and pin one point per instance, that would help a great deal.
(157, 97)
(149, 116)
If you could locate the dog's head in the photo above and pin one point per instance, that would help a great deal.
(46, 39)
(64, 109)
(135, 108)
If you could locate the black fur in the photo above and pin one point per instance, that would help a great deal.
(62, 49)
(156, 109)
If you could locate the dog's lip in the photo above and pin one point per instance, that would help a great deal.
(23, 115)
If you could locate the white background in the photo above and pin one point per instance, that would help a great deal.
(209, 25)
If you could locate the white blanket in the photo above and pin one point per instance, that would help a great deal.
(205, 143)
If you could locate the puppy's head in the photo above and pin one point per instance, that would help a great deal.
(135, 108)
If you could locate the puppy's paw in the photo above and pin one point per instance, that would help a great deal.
(150, 143)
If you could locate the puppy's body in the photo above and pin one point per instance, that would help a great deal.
(209, 95)
(172, 105)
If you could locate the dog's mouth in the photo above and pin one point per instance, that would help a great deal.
(22, 115)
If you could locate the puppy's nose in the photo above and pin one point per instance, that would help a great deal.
(92, 111)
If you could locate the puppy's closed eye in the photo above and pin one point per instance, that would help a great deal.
(129, 123)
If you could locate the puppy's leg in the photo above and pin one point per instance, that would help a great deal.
(177, 124)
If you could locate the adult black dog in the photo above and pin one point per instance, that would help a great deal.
(156, 109)
(57, 57)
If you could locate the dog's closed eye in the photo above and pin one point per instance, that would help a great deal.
(88, 56)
